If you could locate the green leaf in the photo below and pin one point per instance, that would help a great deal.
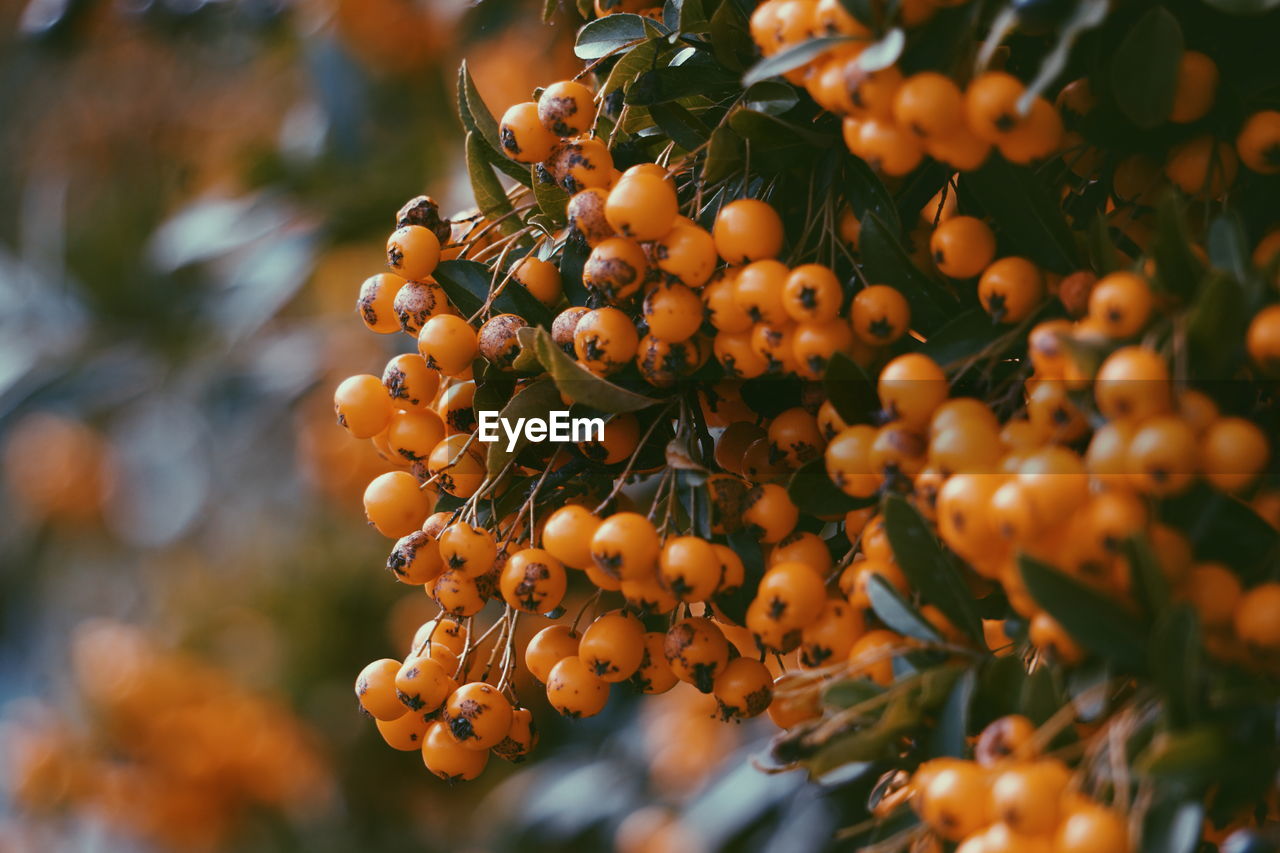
(793, 57)
(1040, 697)
(1177, 268)
(633, 63)
(684, 128)
(1150, 583)
(1093, 619)
(884, 52)
(1228, 248)
(1217, 321)
(771, 133)
(813, 492)
(552, 201)
(1144, 68)
(1173, 826)
(490, 197)
(933, 574)
(730, 40)
(1026, 213)
(1252, 8)
(1222, 529)
(950, 736)
(477, 119)
(608, 34)
(850, 390)
(1193, 756)
(968, 333)
(849, 692)
(535, 401)
(771, 97)
(898, 613)
(724, 155)
(581, 385)
(885, 261)
(467, 283)
(1175, 655)
(867, 194)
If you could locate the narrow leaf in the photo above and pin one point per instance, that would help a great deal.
(608, 34)
(490, 197)
(885, 261)
(535, 401)
(793, 57)
(934, 575)
(850, 390)
(1026, 213)
(583, 386)
(1093, 620)
(1144, 68)
(898, 613)
(813, 492)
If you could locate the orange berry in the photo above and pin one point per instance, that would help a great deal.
(625, 546)
(697, 652)
(523, 136)
(362, 405)
(930, 104)
(376, 690)
(880, 315)
(911, 387)
(654, 674)
(747, 230)
(991, 105)
(413, 252)
(811, 293)
(743, 689)
(566, 108)
(962, 247)
(642, 207)
(605, 340)
(574, 690)
(447, 758)
(871, 656)
(768, 512)
(422, 685)
(1196, 87)
(1202, 167)
(548, 647)
(1010, 289)
(1258, 143)
(376, 300)
(395, 505)
(1257, 618)
(533, 581)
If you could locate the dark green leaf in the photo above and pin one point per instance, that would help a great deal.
(730, 40)
(1244, 7)
(1040, 697)
(770, 133)
(1218, 318)
(813, 492)
(1026, 213)
(884, 52)
(684, 128)
(898, 613)
(1150, 584)
(467, 283)
(552, 201)
(662, 85)
(1175, 657)
(1144, 69)
(1228, 248)
(934, 575)
(867, 194)
(724, 155)
(885, 261)
(1102, 249)
(771, 97)
(747, 547)
(968, 333)
(535, 401)
(1193, 756)
(1222, 529)
(1093, 620)
(1173, 826)
(949, 736)
(608, 34)
(850, 692)
(792, 57)
(1177, 268)
(637, 60)
(581, 385)
(476, 118)
(850, 390)
(485, 186)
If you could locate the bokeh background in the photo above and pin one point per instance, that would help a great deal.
(191, 192)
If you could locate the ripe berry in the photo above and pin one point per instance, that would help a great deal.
(1196, 87)
(801, 546)
(405, 733)
(1121, 304)
(448, 759)
(872, 92)
(1257, 619)
(574, 690)
(376, 300)
(548, 647)
(376, 690)
(521, 738)
(415, 559)
(477, 715)
(747, 230)
(722, 307)
(848, 461)
(642, 207)
(1233, 452)
(1215, 591)
(566, 108)
(1259, 143)
(456, 408)
(685, 254)
(586, 216)
(1133, 383)
(567, 535)
(362, 405)
(467, 549)
(930, 104)
(831, 635)
(1010, 289)
(880, 315)
(1027, 796)
(1202, 167)
(423, 684)
(697, 651)
(962, 247)
(612, 647)
(457, 471)
(811, 294)
(410, 383)
(734, 351)
(498, 339)
(539, 277)
(654, 674)
(688, 566)
(991, 105)
(794, 436)
(743, 689)
(769, 513)
(872, 656)
(673, 312)
(759, 290)
(793, 593)
(1163, 456)
(911, 387)
(413, 252)
(884, 145)
(605, 340)
(448, 344)
(523, 136)
(626, 546)
(1090, 828)
(956, 802)
(460, 595)
(1004, 739)
(580, 164)
(533, 581)
(417, 302)
(616, 269)
(395, 505)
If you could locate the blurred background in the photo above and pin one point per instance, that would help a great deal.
(191, 192)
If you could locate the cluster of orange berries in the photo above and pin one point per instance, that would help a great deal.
(178, 754)
(1011, 799)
